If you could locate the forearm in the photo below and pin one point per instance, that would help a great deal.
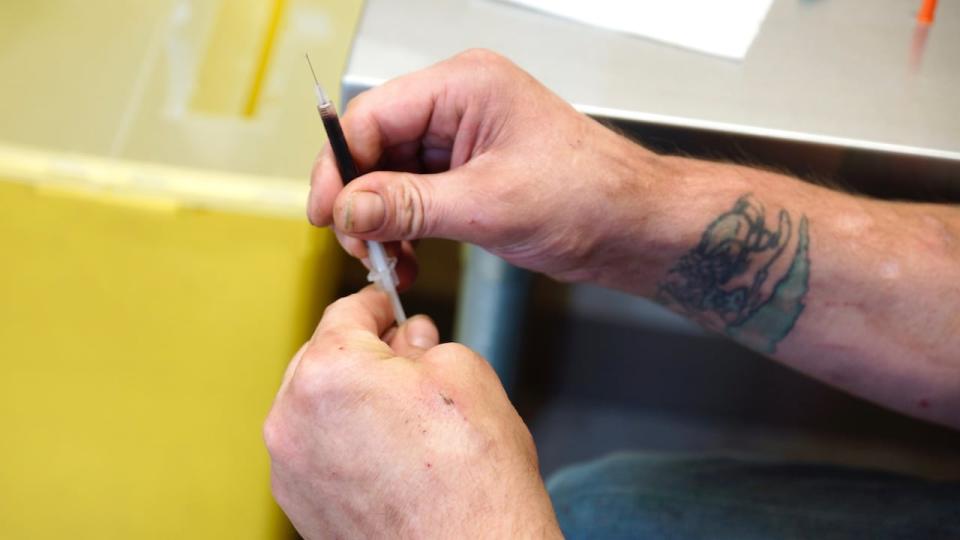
(862, 294)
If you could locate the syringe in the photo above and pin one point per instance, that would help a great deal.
(382, 269)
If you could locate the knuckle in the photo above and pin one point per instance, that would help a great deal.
(329, 310)
(357, 102)
(275, 438)
(324, 368)
(311, 382)
(409, 207)
(456, 352)
(338, 306)
(303, 389)
(481, 55)
(334, 339)
(329, 387)
(490, 65)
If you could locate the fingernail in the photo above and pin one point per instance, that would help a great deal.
(364, 212)
(420, 333)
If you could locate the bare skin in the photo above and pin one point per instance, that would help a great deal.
(378, 431)
(861, 294)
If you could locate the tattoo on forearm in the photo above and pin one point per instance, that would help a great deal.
(744, 278)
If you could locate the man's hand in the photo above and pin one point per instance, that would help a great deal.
(379, 432)
(490, 157)
(858, 293)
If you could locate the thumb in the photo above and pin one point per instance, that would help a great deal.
(388, 206)
(415, 337)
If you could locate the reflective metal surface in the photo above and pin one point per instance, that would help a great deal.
(839, 72)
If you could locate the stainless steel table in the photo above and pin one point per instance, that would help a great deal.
(844, 73)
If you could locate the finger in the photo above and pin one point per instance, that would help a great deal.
(354, 246)
(415, 337)
(402, 113)
(384, 126)
(325, 183)
(407, 266)
(388, 336)
(367, 312)
(404, 157)
(357, 249)
(402, 206)
(429, 106)
(435, 160)
(415, 121)
(455, 362)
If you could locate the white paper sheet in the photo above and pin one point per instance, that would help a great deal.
(720, 27)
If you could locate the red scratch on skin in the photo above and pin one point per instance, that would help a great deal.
(924, 404)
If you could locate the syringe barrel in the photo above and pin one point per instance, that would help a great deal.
(338, 142)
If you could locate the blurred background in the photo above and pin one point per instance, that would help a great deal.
(158, 271)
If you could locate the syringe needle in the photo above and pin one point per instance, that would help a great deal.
(321, 95)
(382, 271)
(315, 80)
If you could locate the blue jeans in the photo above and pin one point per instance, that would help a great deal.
(643, 496)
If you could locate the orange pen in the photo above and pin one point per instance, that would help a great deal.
(925, 15)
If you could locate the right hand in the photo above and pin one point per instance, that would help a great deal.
(378, 432)
(486, 155)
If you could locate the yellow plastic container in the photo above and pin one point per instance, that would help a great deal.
(157, 272)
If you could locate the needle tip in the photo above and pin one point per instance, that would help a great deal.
(314, 73)
(321, 95)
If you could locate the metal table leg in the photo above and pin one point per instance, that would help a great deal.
(491, 308)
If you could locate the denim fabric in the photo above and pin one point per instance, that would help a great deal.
(644, 496)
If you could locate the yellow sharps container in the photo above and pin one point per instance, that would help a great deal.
(157, 272)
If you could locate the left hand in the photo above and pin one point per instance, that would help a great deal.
(378, 431)
(474, 149)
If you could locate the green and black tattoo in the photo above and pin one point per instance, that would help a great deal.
(737, 279)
